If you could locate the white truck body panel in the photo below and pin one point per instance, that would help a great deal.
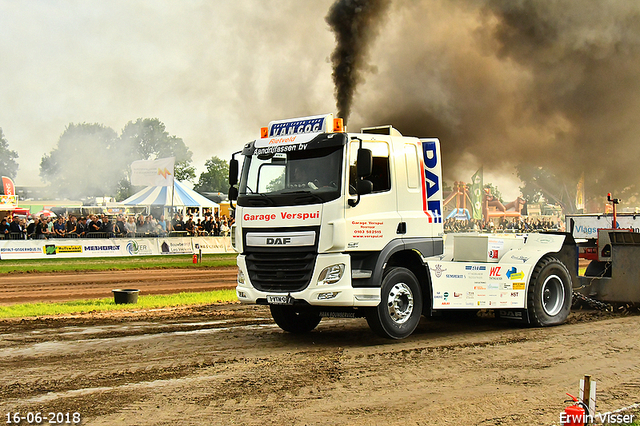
(500, 284)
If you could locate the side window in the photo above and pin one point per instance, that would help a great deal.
(411, 160)
(381, 173)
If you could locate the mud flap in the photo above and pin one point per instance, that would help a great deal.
(518, 315)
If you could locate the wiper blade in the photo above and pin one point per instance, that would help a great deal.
(256, 201)
(304, 194)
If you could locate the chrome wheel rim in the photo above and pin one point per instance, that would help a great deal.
(552, 295)
(400, 303)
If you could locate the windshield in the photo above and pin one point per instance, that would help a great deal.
(307, 176)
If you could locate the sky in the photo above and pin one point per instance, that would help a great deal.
(498, 81)
(208, 70)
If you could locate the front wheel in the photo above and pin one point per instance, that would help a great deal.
(294, 321)
(399, 312)
(550, 293)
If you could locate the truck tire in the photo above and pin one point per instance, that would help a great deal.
(400, 309)
(550, 293)
(294, 321)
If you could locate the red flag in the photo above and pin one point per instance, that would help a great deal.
(9, 187)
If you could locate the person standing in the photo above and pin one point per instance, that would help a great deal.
(59, 228)
(15, 229)
(95, 225)
(31, 228)
(4, 228)
(208, 225)
(141, 224)
(107, 226)
(72, 226)
(41, 229)
(119, 228)
(131, 227)
(177, 224)
(189, 226)
(224, 228)
(81, 228)
(162, 224)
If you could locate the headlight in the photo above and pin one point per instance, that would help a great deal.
(331, 274)
(240, 276)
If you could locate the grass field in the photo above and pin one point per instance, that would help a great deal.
(116, 263)
(26, 310)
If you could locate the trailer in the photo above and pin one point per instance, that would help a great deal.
(611, 242)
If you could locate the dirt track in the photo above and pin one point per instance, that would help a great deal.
(229, 364)
(49, 287)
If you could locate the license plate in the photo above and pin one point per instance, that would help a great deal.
(279, 300)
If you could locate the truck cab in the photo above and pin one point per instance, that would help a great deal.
(322, 215)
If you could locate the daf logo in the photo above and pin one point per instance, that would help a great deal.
(278, 241)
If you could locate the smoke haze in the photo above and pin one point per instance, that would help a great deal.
(355, 24)
(551, 83)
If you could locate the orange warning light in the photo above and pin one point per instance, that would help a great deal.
(264, 132)
(338, 125)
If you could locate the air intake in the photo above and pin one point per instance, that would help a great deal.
(381, 130)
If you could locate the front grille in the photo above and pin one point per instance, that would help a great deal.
(282, 272)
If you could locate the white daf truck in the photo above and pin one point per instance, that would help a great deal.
(337, 224)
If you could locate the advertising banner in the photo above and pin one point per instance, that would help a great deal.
(110, 247)
(175, 245)
(153, 172)
(9, 187)
(477, 193)
(210, 245)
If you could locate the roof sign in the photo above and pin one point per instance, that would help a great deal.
(298, 126)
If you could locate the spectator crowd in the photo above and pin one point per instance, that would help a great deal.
(103, 226)
(522, 224)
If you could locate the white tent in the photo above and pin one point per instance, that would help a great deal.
(157, 196)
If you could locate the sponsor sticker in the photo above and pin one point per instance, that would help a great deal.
(51, 249)
(513, 274)
(69, 249)
(438, 270)
(135, 247)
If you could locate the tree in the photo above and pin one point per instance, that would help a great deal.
(8, 164)
(148, 140)
(88, 161)
(216, 178)
(92, 160)
(540, 182)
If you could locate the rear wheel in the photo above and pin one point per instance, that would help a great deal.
(294, 321)
(550, 293)
(399, 312)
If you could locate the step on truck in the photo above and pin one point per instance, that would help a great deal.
(337, 224)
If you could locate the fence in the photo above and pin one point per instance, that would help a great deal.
(108, 247)
(25, 236)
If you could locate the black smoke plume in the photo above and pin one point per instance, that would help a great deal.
(354, 23)
(551, 84)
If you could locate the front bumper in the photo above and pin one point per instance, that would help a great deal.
(339, 294)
